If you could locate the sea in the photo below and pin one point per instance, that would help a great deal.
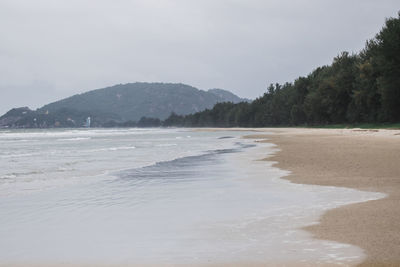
(158, 196)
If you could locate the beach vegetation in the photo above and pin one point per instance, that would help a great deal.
(355, 89)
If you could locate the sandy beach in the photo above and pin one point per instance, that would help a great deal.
(367, 160)
(362, 159)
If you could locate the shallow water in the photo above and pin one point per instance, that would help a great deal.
(157, 196)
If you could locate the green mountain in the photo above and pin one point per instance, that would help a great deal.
(133, 101)
(123, 105)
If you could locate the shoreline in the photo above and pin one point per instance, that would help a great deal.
(367, 160)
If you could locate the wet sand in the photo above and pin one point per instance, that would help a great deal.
(363, 159)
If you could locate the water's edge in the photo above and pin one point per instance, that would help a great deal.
(353, 261)
(188, 198)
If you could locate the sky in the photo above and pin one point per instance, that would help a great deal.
(51, 49)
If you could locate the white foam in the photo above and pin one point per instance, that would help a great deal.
(19, 155)
(74, 139)
(166, 145)
(60, 133)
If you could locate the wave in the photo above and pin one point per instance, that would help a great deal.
(112, 148)
(225, 137)
(18, 134)
(21, 140)
(75, 139)
(183, 168)
(166, 145)
(9, 176)
(14, 175)
(19, 155)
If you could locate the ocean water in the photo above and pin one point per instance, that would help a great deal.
(157, 196)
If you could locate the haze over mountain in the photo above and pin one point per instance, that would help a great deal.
(122, 102)
(135, 100)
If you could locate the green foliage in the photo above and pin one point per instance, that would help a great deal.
(355, 88)
(149, 122)
(387, 59)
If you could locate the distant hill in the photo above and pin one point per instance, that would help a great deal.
(227, 96)
(64, 117)
(14, 115)
(135, 100)
(120, 105)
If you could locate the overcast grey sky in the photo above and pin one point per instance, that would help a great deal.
(52, 49)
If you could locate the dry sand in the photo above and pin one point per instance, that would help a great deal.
(363, 159)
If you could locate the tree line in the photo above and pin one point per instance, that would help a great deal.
(361, 87)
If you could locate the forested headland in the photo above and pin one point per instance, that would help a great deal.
(136, 104)
(359, 87)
